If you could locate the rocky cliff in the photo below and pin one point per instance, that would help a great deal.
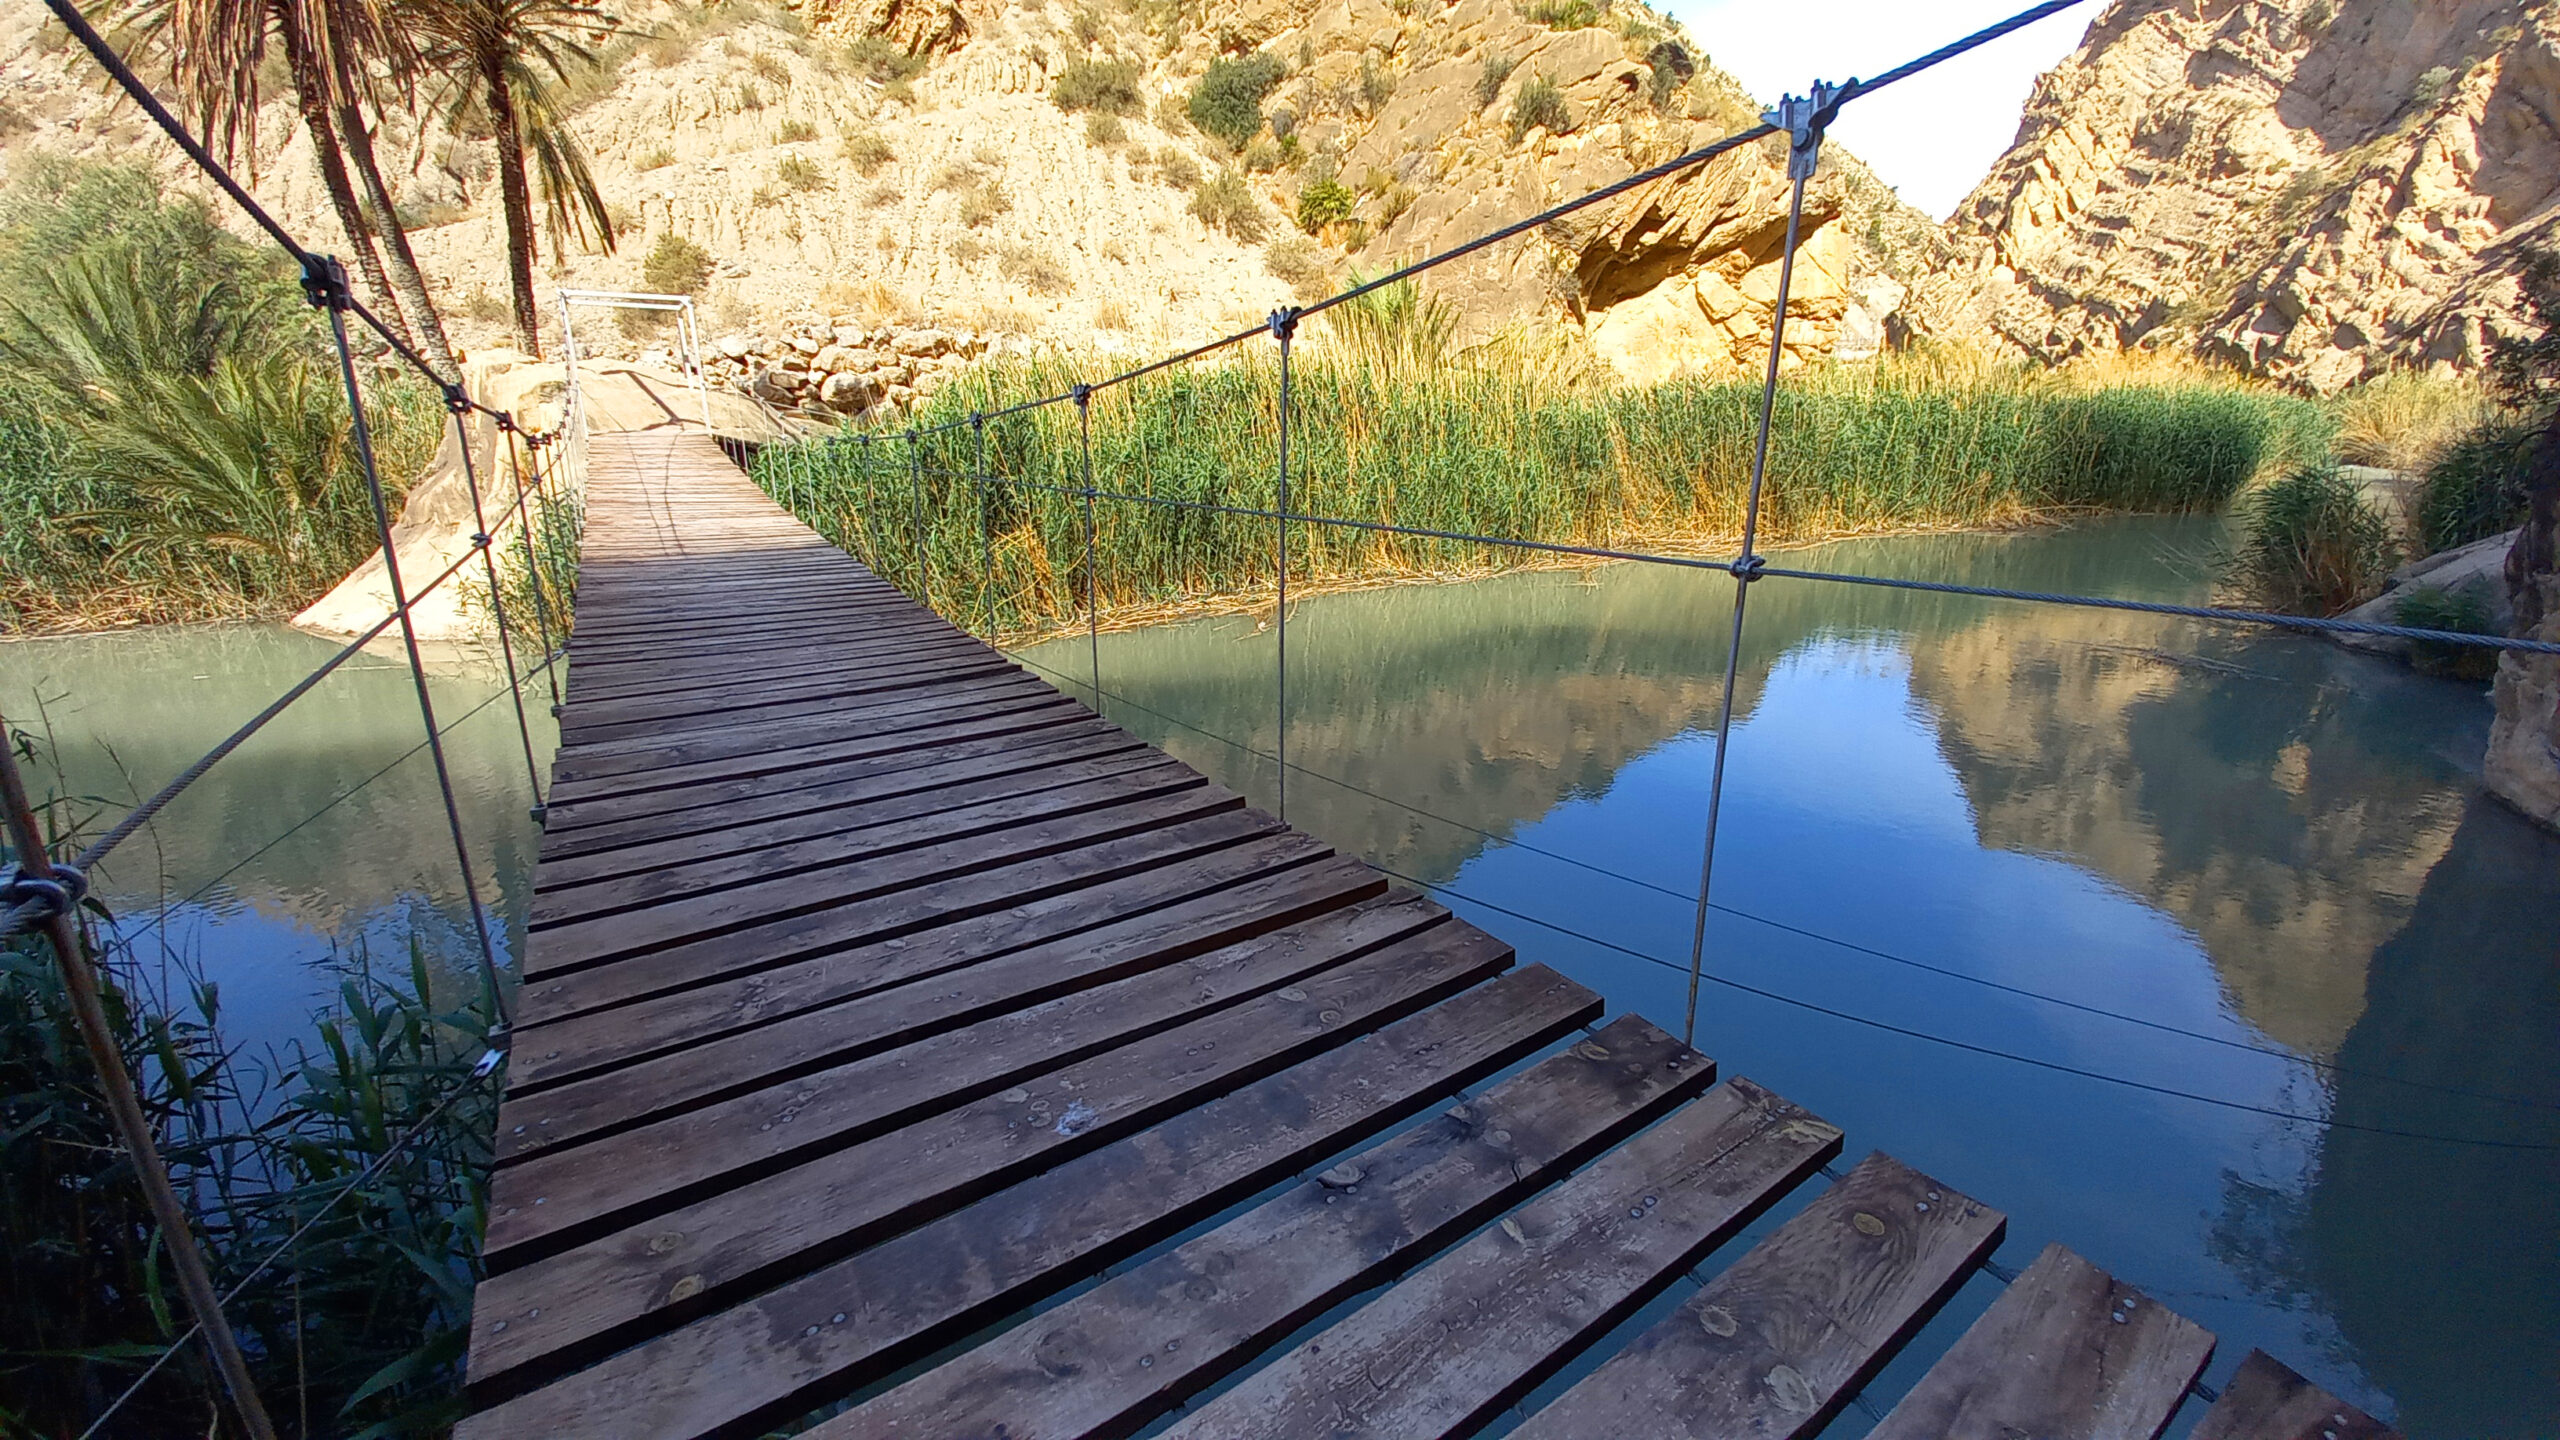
(878, 164)
(2312, 189)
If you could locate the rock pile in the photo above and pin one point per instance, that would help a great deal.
(843, 368)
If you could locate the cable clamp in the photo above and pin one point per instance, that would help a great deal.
(507, 421)
(324, 283)
(57, 894)
(977, 419)
(491, 1058)
(1804, 118)
(1283, 323)
(1747, 568)
(481, 542)
(1083, 396)
(456, 402)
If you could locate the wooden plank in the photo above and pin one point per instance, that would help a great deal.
(862, 1317)
(740, 912)
(2066, 1353)
(559, 905)
(824, 787)
(611, 685)
(1777, 1343)
(1173, 900)
(913, 728)
(915, 794)
(889, 917)
(2266, 1400)
(1448, 1349)
(1111, 1359)
(667, 708)
(719, 1250)
(630, 760)
(683, 1155)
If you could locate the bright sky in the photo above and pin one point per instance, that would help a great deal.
(1931, 136)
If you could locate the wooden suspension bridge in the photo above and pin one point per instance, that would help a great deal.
(878, 996)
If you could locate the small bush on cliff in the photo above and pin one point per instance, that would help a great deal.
(2312, 544)
(1227, 101)
(2476, 487)
(879, 58)
(1324, 202)
(675, 266)
(1109, 87)
(1225, 202)
(1539, 106)
(866, 151)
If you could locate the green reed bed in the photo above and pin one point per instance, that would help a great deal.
(1485, 449)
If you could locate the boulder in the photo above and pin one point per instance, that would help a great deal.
(851, 394)
(2478, 568)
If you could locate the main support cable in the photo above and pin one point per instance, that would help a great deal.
(986, 528)
(1092, 594)
(327, 281)
(533, 569)
(1284, 327)
(115, 1084)
(1803, 118)
(459, 407)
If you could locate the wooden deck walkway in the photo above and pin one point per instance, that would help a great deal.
(877, 994)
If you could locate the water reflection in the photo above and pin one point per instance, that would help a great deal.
(322, 836)
(2263, 842)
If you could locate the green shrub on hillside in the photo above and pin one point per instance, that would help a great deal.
(2311, 544)
(1227, 100)
(1107, 86)
(1324, 202)
(1225, 202)
(675, 266)
(1539, 105)
(879, 58)
(1490, 80)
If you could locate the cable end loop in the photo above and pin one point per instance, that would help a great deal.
(53, 896)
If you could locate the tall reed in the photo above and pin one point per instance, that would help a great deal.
(1485, 446)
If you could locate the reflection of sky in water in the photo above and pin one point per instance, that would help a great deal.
(2264, 841)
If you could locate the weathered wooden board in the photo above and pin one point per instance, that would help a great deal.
(2066, 1353)
(2266, 1400)
(1780, 1340)
(862, 1317)
(1445, 1350)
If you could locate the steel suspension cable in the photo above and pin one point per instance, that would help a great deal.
(1092, 577)
(536, 576)
(1804, 149)
(986, 528)
(329, 284)
(482, 541)
(1284, 326)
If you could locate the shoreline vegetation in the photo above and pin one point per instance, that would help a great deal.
(356, 1161)
(174, 440)
(1517, 439)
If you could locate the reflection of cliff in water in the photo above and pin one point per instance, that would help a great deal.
(2455, 1003)
(129, 711)
(2281, 799)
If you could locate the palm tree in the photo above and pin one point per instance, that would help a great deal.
(217, 50)
(508, 59)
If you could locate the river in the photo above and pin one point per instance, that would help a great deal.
(2005, 889)
(2251, 868)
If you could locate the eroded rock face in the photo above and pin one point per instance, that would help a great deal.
(2523, 765)
(2314, 189)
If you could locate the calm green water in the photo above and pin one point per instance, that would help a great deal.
(318, 843)
(2268, 843)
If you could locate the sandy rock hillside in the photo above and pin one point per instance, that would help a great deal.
(2314, 189)
(861, 169)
